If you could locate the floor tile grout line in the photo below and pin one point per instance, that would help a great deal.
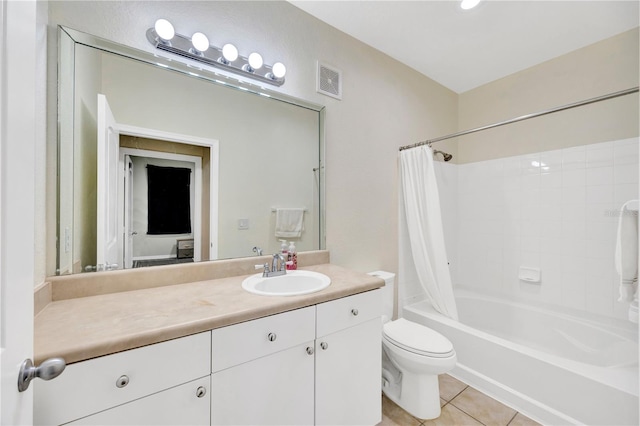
(454, 405)
(458, 394)
(514, 416)
(460, 409)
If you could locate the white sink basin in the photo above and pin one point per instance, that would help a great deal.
(294, 283)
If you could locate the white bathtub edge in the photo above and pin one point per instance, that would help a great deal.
(529, 407)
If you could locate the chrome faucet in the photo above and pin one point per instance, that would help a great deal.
(278, 265)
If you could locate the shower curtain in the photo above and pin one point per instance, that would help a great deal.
(424, 223)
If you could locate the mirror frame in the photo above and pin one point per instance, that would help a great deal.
(65, 87)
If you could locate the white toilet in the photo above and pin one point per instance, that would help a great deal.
(412, 357)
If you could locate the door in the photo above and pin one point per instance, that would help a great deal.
(110, 251)
(18, 126)
(348, 365)
(276, 389)
(129, 232)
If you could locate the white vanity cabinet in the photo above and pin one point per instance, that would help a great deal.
(263, 371)
(132, 384)
(316, 365)
(348, 360)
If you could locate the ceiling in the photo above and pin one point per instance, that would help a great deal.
(465, 49)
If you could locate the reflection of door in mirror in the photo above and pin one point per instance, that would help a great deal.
(109, 248)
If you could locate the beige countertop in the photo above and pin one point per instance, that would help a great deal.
(80, 328)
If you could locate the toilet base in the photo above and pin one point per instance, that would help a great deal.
(419, 396)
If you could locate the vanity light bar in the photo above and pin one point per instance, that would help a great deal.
(226, 58)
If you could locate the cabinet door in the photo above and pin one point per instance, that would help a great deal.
(276, 389)
(348, 368)
(187, 404)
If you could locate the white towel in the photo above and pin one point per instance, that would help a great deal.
(289, 222)
(627, 250)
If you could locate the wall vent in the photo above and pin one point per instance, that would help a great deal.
(329, 81)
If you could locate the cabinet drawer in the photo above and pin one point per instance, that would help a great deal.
(239, 343)
(90, 386)
(188, 404)
(348, 311)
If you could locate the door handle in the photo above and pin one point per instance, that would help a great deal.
(49, 369)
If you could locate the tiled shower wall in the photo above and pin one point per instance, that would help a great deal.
(554, 210)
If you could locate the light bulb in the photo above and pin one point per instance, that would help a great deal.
(278, 70)
(255, 61)
(469, 4)
(200, 42)
(164, 29)
(229, 52)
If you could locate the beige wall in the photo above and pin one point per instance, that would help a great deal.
(385, 104)
(605, 67)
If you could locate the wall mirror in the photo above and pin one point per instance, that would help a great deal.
(228, 158)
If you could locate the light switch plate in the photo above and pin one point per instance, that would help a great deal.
(243, 224)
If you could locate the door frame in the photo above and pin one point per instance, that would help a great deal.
(214, 159)
(197, 192)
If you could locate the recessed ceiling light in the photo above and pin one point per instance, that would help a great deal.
(469, 4)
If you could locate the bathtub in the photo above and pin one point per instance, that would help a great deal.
(550, 366)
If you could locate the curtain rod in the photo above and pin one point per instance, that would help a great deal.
(525, 117)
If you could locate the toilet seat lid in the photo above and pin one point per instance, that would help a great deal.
(417, 338)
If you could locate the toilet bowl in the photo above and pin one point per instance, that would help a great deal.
(412, 358)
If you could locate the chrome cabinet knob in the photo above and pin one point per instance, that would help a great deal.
(354, 312)
(49, 369)
(201, 391)
(122, 381)
(309, 350)
(272, 337)
(324, 345)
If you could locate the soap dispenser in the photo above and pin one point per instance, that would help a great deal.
(292, 260)
(284, 249)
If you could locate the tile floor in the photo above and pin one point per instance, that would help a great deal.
(461, 405)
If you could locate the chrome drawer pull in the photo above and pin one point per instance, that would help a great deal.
(122, 381)
(309, 350)
(201, 391)
(324, 345)
(354, 311)
(271, 337)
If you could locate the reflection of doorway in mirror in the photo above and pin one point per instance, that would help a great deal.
(140, 247)
(163, 146)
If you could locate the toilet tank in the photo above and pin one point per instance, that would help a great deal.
(388, 293)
